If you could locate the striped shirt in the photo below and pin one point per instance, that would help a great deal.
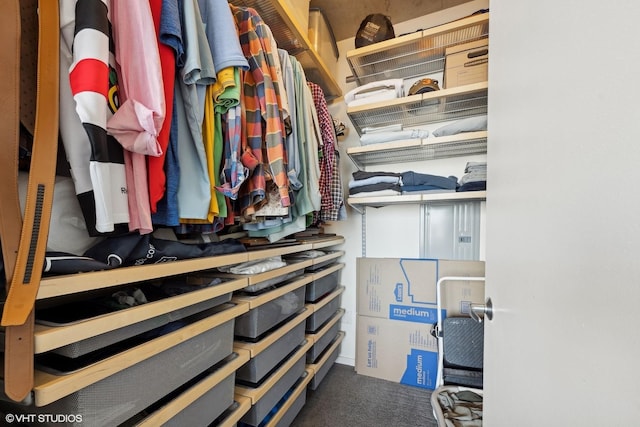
(262, 119)
(93, 83)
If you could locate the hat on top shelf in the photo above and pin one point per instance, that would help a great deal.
(375, 28)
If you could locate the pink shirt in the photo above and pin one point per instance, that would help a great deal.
(137, 123)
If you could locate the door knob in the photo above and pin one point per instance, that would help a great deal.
(479, 311)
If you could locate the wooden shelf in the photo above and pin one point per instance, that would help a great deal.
(328, 270)
(300, 388)
(257, 393)
(327, 353)
(416, 54)
(315, 337)
(181, 402)
(49, 388)
(243, 406)
(81, 282)
(412, 150)
(326, 299)
(52, 337)
(294, 39)
(255, 348)
(56, 286)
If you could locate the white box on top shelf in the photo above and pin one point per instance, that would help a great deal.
(467, 63)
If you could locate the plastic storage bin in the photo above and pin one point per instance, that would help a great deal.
(268, 401)
(334, 351)
(204, 409)
(208, 407)
(274, 281)
(88, 345)
(322, 343)
(324, 312)
(261, 319)
(322, 38)
(320, 287)
(293, 410)
(122, 395)
(255, 369)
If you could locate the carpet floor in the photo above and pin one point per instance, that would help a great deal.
(345, 398)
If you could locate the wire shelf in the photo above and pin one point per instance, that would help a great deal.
(432, 148)
(380, 201)
(431, 107)
(415, 54)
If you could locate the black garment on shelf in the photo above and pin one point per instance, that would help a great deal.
(135, 249)
(365, 175)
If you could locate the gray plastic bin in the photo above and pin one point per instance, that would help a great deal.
(261, 319)
(316, 289)
(266, 403)
(124, 394)
(294, 409)
(256, 368)
(322, 372)
(207, 407)
(88, 345)
(274, 281)
(319, 317)
(203, 410)
(323, 342)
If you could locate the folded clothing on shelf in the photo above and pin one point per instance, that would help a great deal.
(475, 177)
(375, 91)
(379, 137)
(469, 124)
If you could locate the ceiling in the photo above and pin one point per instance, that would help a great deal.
(345, 16)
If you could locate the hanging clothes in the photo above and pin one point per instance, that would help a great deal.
(166, 207)
(198, 72)
(137, 123)
(95, 158)
(262, 119)
(330, 183)
(155, 171)
(227, 99)
(293, 151)
(309, 198)
(222, 36)
(227, 54)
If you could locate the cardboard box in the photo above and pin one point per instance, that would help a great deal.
(393, 350)
(466, 63)
(405, 288)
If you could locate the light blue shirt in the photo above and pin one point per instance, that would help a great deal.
(194, 189)
(220, 29)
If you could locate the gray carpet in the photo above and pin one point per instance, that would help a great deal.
(345, 398)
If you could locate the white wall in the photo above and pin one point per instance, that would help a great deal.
(562, 215)
(391, 231)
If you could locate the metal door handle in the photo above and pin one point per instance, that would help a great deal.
(479, 311)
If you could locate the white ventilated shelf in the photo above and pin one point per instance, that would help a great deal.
(422, 109)
(415, 150)
(294, 39)
(415, 199)
(415, 54)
